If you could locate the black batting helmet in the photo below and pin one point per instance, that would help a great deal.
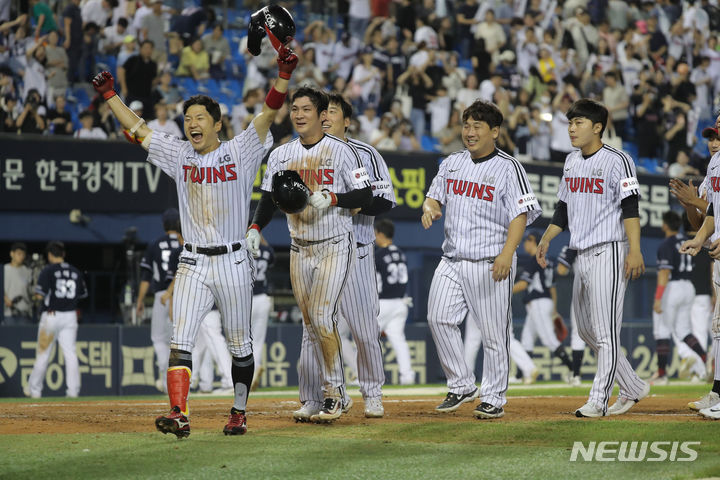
(275, 20)
(289, 192)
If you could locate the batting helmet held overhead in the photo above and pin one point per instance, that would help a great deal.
(274, 20)
(289, 192)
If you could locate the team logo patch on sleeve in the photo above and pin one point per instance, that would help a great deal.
(527, 200)
(630, 183)
(381, 187)
(359, 177)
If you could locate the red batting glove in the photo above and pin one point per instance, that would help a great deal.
(103, 84)
(287, 61)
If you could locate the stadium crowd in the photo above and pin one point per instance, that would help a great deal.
(409, 68)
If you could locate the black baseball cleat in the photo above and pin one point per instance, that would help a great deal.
(175, 422)
(453, 401)
(237, 423)
(485, 411)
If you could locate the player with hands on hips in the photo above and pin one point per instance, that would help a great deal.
(323, 247)
(214, 183)
(598, 203)
(60, 286)
(488, 203)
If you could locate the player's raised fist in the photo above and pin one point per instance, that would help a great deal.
(103, 84)
(287, 61)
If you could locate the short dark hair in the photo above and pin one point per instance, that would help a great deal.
(484, 112)
(57, 249)
(590, 109)
(318, 98)
(672, 220)
(84, 114)
(18, 246)
(152, 44)
(171, 219)
(337, 98)
(210, 105)
(385, 226)
(123, 22)
(535, 235)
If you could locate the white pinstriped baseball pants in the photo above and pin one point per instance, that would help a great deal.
(460, 289)
(318, 274)
(598, 298)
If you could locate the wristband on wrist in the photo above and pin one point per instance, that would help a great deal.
(254, 226)
(109, 94)
(333, 198)
(659, 292)
(275, 99)
(135, 127)
(285, 75)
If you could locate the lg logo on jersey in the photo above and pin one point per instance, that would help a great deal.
(226, 173)
(471, 189)
(634, 451)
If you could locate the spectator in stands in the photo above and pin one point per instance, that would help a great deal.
(43, 18)
(617, 101)
(163, 123)
(243, 113)
(137, 107)
(647, 109)
(439, 108)
(449, 137)
(72, 21)
(32, 118)
(560, 144)
(88, 130)
(519, 128)
(675, 126)
(528, 49)
(446, 35)
(137, 77)
(89, 49)
(540, 133)
(194, 62)
(112, 37)
(167, 92)
(16, 289)
(191, 23)
(465, 18)
(424, 33)
(368, 121)
(489, 86)
(420, 89)
(703, 83)
(129, 48)
(98, 12)
(366, 81)
(105, 118)
(658, 44)
(321, 38)
(282, 128)
(144, 9)
(226, 130)
(307, 73)
(154, 28)
(405, 138)
(492, 32)
(468, 94)
(584, 34)
(381, 138)
(34, 76)
(8, 114)
(218, 48)
(59, 119)
(546, 63)
(344, 55)
(593, 83)
(359, 15)
(56, 68)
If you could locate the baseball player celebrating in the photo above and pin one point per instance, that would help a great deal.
(565, 262)
(598, 203)
(673, 296)
(540, 303)
(214, 183)
(154, 269)
(323, 247)
(392, 279)
(60, 286)
(359, 302)
(488, 202)
(261, 305)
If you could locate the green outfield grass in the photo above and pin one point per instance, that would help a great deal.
(375, 450)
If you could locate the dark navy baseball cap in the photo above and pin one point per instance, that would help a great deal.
(536, 234)
(171, 219)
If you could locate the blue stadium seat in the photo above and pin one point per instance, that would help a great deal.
(429, 143)
(631, 149)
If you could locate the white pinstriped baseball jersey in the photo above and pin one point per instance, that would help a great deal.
(213, 189)
(481, 199)
(593, 188)
(711, 186)
(381, 187)
(331, 164)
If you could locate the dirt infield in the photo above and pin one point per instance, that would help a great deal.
(209, 414)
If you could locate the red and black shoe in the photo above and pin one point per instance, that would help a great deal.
(237, 423)
(175, 422)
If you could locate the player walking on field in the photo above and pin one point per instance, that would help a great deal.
(214, 182)
(598, 203)
(488, 203)
(323, 247)
(60, 286)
